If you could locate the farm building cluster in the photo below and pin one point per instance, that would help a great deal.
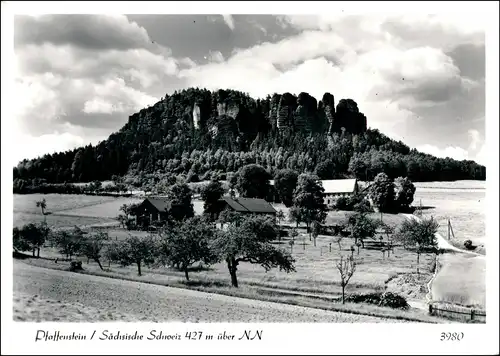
(155, 210)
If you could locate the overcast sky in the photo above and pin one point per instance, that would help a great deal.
(420, 79)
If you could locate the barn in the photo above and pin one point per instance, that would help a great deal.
(335, 188)
(151, 210)
(248, 206)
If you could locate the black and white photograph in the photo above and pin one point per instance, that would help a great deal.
(250, 168)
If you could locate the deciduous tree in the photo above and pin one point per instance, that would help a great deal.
(211, 195)
(186, 243)
(382, 192)
(241, 243)
(418, 235)
(93, 246)
(180, 196)
(253, 182)
(308, 199)
(285, 182)
(139, 251)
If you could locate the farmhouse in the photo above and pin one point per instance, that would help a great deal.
(335, 188)
(152, 209)
(248, 206)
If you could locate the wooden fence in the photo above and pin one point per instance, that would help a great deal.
(462, 314)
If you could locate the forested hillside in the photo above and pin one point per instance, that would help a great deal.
(196, 132)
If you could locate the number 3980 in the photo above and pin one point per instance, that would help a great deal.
(452, 336)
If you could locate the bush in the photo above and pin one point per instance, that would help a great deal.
(341, 203)
(76, 266)
(356, 202)
(385, 299)
(468, 245)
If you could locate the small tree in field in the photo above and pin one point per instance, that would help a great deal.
(362, 227)
(389, 231)
(93, 246)
(140, 251)
(346, 268)
(280, 215)
(294, 216)
(187, 243)
(112, 252)
(241, 243)
(419, 236)
(69, 242)
(338, 240)
(316, 229)
(32, 235)
(19, 244)
(42, 204)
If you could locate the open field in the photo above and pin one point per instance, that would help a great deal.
(79, 294)
(68, 210)
(316, 271)
(462, 202)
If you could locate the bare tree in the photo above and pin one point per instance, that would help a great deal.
(346, 268)
(338, 240)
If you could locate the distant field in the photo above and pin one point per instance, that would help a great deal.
(60, 221)
(462, 202)
(56, 202)
(67, 210)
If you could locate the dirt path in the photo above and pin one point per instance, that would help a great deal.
(117, 299)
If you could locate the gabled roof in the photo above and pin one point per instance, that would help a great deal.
(249, 205)
(161, 204)
(339, 186)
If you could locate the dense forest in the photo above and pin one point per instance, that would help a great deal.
(196, 133)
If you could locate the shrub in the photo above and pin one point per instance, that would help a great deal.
(468, 245)
(385, 299)
(76, 266)
(341, 203)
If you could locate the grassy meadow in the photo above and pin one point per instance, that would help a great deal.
(316, 274)
(462, 202)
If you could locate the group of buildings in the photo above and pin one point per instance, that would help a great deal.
(155, 209)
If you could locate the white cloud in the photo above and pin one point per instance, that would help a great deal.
(475, 139)
(451, 151)
(393, 69)
(216, 56)
(28, 146)
(476, 150)
(228, 19)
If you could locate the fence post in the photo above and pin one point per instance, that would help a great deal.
(472, 314)
(430, 309)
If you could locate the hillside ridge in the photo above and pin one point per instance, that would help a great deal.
(196, 132)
